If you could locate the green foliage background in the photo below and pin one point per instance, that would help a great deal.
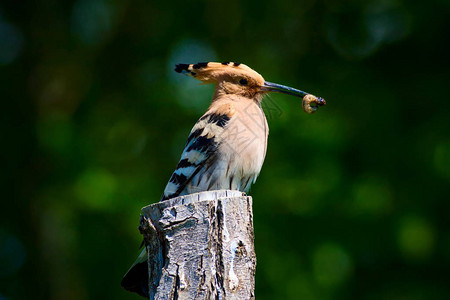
(352, 202)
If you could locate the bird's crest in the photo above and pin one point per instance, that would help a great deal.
(239, 79)
(211, 72)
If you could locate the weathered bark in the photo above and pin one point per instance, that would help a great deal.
(200, 246)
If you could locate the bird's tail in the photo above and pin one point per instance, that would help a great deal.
(136, 279)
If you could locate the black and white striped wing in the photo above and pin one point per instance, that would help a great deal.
(198, 156)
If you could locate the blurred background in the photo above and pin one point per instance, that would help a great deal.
(352, 202)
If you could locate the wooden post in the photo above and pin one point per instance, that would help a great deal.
(200, 246)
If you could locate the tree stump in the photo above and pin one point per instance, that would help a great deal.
(200, 246)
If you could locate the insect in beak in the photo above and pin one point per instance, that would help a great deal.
(310, 102)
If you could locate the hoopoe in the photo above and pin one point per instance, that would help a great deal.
(227, 146)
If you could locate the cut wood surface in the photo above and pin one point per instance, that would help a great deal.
(201, 246)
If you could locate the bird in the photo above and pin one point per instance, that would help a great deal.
(227, 146)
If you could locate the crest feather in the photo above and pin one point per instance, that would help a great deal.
(212, 71)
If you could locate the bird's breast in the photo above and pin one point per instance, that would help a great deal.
(244, 140)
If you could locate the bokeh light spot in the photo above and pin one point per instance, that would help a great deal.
(332, 265)
(301, 286)
(95, 188)
(442, 159)
(415, 238)
(371, 197)
(55, 133)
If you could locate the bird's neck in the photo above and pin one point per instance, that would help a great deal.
(220, 93)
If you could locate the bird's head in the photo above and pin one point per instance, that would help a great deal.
(238, 79)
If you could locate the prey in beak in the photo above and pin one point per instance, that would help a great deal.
(310, 103)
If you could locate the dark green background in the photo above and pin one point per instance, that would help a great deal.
(352, 202)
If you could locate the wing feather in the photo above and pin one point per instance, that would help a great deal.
(200, 151)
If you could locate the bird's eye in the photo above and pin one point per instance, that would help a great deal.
(243, 81)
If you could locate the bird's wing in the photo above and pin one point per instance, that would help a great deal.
(199, 153)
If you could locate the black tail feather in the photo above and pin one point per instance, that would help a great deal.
(136, 279)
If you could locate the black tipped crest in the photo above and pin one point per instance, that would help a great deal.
(233, 64)
(200, 65)
(181, 67)
(213, 72)
(188, 68)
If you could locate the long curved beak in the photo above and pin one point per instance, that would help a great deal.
(274, 87)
